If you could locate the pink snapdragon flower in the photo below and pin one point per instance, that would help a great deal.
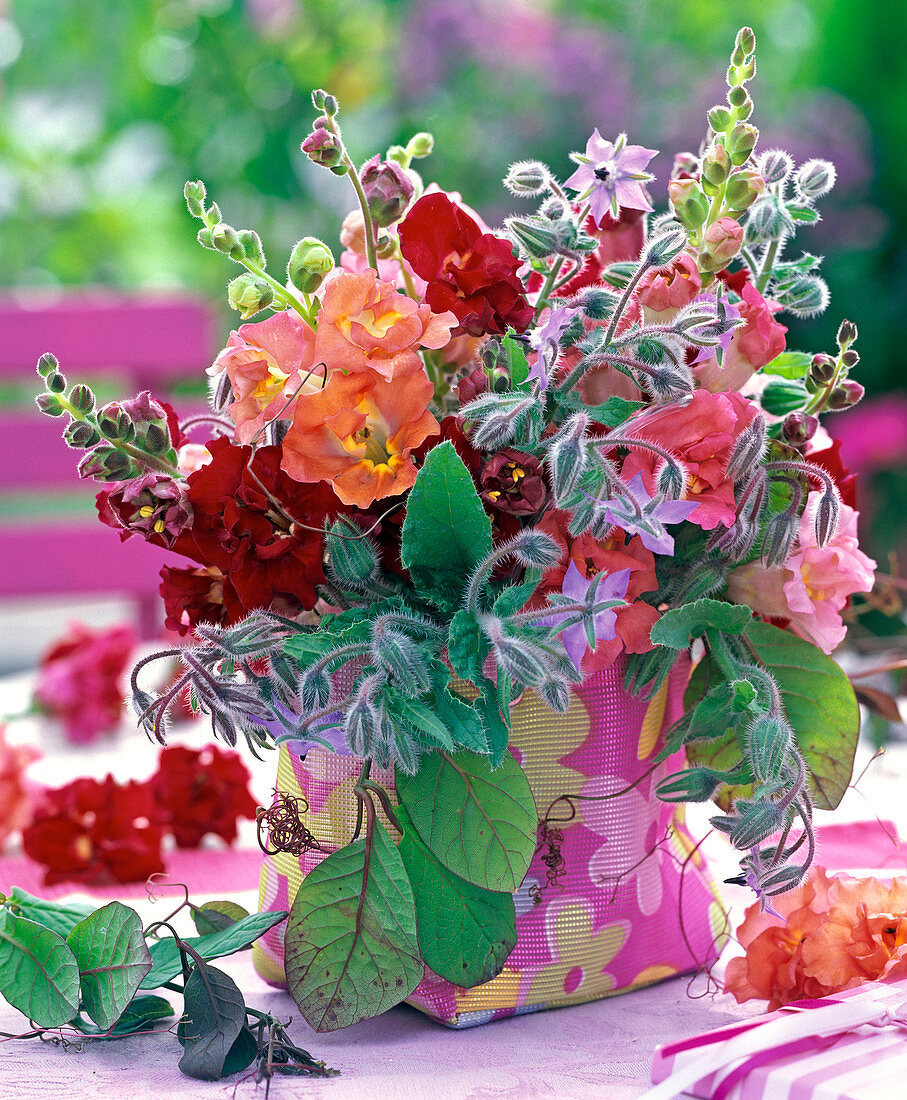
(758, 342)
(663, 290)
(815, 584)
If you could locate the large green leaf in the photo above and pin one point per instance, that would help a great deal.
(39, 974)
(679, 626)
(446, 532)
(59, 916)
(820, 704)
(479, 823)
(113, 959)
(213, 1018)
(165, 954)
(465, 932)
(351, 949)
(215, 916)
(143, 1012)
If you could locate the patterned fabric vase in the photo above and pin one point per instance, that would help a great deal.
(615, 898)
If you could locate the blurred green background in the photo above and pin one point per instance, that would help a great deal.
(108, 106)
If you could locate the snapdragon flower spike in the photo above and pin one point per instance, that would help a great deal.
(611, 175)
(638, 513)
(546, 341)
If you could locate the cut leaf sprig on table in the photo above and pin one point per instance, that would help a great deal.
(461, 465)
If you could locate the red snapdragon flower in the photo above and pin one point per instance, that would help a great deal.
(95, 833)
(470, 273)
(201, 791)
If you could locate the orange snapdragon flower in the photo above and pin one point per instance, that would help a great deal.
(365, 324)
(358, 433)
(266, 361)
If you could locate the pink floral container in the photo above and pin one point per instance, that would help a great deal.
(615, 899)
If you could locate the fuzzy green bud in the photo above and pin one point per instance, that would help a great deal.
(194, 192)
(527, 178)
(692, 785)
(666, 247)
(252, 246)
(204, 238)
(716, 167)
(742, 190)
(534, 236)
(745, 40)
(740, 142)
(768, 740)
(691, 207)
(756, 821)
(815, 178)
(720, 119)
(49, 403)
(213, 215)
(248, 295)
(776, 165)
(420, 145)
(311, 261)
(741, 101)
(225, 239)
(55, 382)
(82, 399)
(352, 558)
(81, 435)
(324, 101)
(48, 364)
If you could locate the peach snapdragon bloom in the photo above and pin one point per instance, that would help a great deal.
(358, 434)
(364, 324)
(266, 362)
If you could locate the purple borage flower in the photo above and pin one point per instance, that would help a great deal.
(546, 341)
(602, 625)
(721, 327)
(649, 516)
(610, 175)
(287, 721)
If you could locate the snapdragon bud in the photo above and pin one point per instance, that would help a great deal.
(822, 369)
(720, 119)
(55, 382)
(323, 147)
(847, 333)
(716, 167)
(815, 178)
(248, 294)
(81, 435)
(691, 207)
(420, 145)
(115, 423)
(527, 178)
(721, 242)
(742, 190)
(225, 239)
(845, 395)
(311, 261)
(82, 399)
(49, 403)
(850, 358)
(740, 99)
(388, 190)
(252, 247)
(686, 165)
(324, 101)
(48, 364)
(740, 142)
(194, 192)
(799, 428)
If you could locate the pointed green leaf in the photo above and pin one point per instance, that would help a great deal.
(789, 364)
(480, 824)
(497, 732)
(467, 649)
(679, 626)
(143, 1012)
(213, 1017)
(215, 916)
(421, 720)
(512, 598)
(465, 932)
(59, 916)
(446, 532)
(351, 950)
(166, 957)
(820, 704)
(113, 959)
(39, 974)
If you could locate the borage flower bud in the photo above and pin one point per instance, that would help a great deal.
(778, 880)
(535, 237)
(845, 395)
(323, 147)
(806, 296)
(822, 369)
(740, 142)
(778, 540)
(692, 785)
(527, 178)
(666, 247)
(351, 554)
(691, 207)
(388, 190)
(311, 261)
(768, 741)
(721, 242)
(799, 428)
(815, 178)
(249, 295)
(775, 165)
(567, 456)
(756, 821)
(828, 511)
(742, 190)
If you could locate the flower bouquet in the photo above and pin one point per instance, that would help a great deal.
(465, 479)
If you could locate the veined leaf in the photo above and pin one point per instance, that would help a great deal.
(480, 824)
(820, 704)
(213, 1017)
(789, 364)
(59, 916)
(467, 649)
(215, 916)
(446, 532)
(39, 974)
(465, 932)
(679, 626)
(143, 1012)
(351, 949)
(166, 957)
(113, 959)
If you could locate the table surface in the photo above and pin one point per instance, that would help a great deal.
(602, 1049)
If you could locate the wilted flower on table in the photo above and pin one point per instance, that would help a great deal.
(79, 679)
(610, 175)
(365, 324)
(95, 833)
(815, 583)
(358, 433)
(266, 362)
(201, 791)
(17, 794)
(471, 273)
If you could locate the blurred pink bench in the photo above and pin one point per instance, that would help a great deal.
(51, 542)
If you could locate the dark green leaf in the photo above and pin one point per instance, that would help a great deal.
(351, 948)
(213, 1016)
(141, 1013)
(820, 704)
(783, 396)
(59, 916)
(215, 916)
(113, 959)
(511, 599)
(613, 412)
(789, 364)
(480, 824)
(678, 627)
(241, 1054)
(460, 718)
(467, 649)
(517, 363)
(422, 721)
(446, 532)
(166, 957)
(497, 731)
(465, 932)
(39, 974)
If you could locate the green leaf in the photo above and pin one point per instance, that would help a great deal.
(789, 364)
(613, 412)
(241, 1054)
(783, 396)
(59, 916)
(215, 916)
(480, 824)
(142, 1012)
(446, 532)
(517, 363)
(460, 718)
(421, 720)
(512, 598)
(39, 974)
(497, 731)
(820, 704)
(467, 649)
(465, 932)
(351, 948)
(678, 627)
(213, 1017)
(166, 956)
(113, 959)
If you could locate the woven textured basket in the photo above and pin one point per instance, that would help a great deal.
(615, 898)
